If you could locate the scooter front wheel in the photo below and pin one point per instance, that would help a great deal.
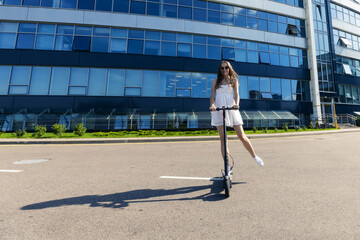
(227, 186)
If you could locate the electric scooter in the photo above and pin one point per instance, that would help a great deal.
(227, 178)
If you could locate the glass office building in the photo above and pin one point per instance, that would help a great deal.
(149, 64)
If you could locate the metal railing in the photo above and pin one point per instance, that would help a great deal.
(346, 119)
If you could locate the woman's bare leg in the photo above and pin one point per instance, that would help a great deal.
(245, 141)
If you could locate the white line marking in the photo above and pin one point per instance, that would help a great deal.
(193, 178)
(11, 171)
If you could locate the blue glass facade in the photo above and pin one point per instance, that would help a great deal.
(89, 68)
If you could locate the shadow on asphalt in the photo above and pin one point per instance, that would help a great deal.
(122, 200)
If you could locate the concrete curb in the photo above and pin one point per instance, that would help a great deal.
(165, 139)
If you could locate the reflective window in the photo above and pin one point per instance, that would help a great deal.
(183, 92)
(265, 84)
(184, 50)
(200, 14)
(46, 28)
(198, 85)
(254, 88)
(27, 27)
(168, 49)
(214, 52)
(152, 47)
(276, 88)
(4, 79)
(286, 90)
(25, 41)
(7, 40)
(150, 83)
(153, 9)
(228, 53)
(133, 78)
(121, 6)
(68, 4)
(20, 75)
(86, 4)
(185, 12)
(40, 79)
(167, 84)
(77, 90)
(104, 5)
(100, 44)
(199, 51)
(137, 7)
(45, 42)
(118, 32)
(18, 90)
(31, 3)
(50, 3)
(63, 43)
(183, 80)
(131, 91)
(8, 27)
(169, 11)
(81, 43)
(12, 2)
(115, 85)
(243, 87)
(213, 16)
(78, 76)
(97, 82)
(118, 45)
(240, 55)
(59, 81)
(135, 46)
(65, 29)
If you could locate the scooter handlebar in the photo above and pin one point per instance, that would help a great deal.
(226, 108)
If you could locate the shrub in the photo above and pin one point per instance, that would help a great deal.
(358, 122)
(254, 129)
(304, 128)
(40, 130)
(58, 129)
(286, 127)
(297, 128)
(20, 133)
(276, 130)
(80, 130)
(311, 126)
(2, 132)
(265, 130)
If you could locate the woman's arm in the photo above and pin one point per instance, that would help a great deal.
(212, 96)
(236, 93)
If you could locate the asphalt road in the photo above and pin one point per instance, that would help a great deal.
(309, 188)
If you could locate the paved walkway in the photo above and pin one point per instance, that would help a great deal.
(8, 141)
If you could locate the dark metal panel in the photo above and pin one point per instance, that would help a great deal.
(9, 57)
(109, 60)
(6, 103)
(347, 108)
(347, 79)
(39, 103)
(101, 104)
(49, 58)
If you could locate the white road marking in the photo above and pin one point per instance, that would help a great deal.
(11, 171)
(32, 161)
(193, 178)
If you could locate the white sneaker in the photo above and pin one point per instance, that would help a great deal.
(259, 161)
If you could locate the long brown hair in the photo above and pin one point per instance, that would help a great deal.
(232, 75)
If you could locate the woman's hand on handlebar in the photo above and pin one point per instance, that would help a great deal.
(235, 106)
(212, 108)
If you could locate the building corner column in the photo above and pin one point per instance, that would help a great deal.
(314, 86)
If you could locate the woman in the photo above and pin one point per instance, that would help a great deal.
(225, 92)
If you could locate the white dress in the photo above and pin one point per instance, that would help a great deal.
(224, 96)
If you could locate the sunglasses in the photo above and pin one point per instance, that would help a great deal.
(223, 68)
